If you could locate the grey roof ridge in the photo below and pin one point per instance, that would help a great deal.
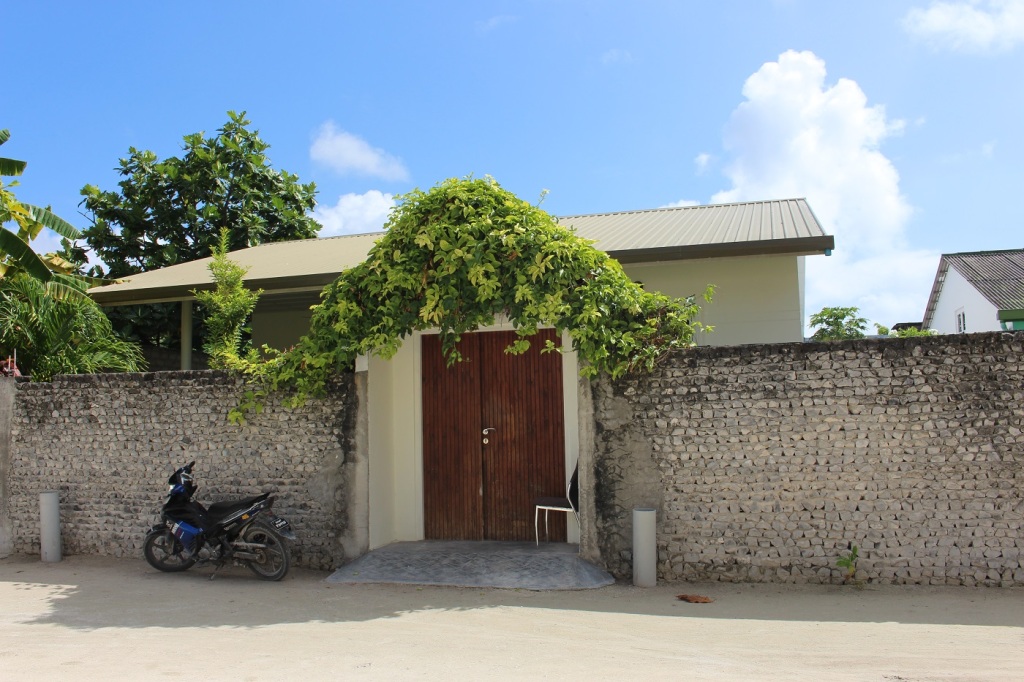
(311, 239)
(982, 253)
(682, 208)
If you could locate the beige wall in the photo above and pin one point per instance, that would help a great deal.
(758, 299)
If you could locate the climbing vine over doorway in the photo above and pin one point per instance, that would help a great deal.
(456, 257)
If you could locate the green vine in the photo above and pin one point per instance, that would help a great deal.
(454, 259)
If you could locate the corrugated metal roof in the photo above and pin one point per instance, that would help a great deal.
(997, 275)
(696, 225)
(279, 266)
(755, 228)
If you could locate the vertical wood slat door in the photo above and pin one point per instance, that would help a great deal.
(472, 490)
(452, 501)
(525, 458)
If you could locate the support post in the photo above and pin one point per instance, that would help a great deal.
(645, 547)
(186, 335)
(49, 526)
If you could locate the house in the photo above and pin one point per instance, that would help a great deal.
(459, 452)
(976, 292)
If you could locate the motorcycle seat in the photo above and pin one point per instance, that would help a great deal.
(218, 511)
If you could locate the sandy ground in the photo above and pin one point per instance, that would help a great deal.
(92, 618)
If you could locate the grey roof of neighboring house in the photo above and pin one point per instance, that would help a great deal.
(743, 229)
(997, 275)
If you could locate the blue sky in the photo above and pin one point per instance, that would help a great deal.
(899, 121)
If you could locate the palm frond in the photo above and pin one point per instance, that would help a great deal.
(65, 287)
(23, 255)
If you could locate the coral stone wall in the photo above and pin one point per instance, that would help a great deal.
(109, 442)
(766, 462)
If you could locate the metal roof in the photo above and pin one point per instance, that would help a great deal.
(750, 228)
(997, 275)
(301, 265)
(755, 228)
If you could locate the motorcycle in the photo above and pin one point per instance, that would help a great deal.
(246, 532)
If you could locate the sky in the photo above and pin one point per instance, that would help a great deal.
(899, 121)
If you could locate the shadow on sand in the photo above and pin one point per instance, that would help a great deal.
(98, 592)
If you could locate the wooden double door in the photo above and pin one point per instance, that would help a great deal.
(493, 437)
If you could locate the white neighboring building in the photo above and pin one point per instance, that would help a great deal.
(977, 292)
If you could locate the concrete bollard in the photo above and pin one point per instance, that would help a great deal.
(645, 547)
(49, 526)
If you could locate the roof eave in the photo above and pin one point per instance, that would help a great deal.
(175, 293)
(800, 246)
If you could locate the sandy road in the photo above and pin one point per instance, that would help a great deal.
(100, 618)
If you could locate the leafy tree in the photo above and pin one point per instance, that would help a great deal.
(454, 259)
(53, 335)
(228, 308)
(173, 211)
(837, 324)
(16, 253)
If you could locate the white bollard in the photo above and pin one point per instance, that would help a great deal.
(49, 525)
(645, 547)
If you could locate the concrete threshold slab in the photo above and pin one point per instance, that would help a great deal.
(522, 565)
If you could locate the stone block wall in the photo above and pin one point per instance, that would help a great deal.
(766, 462)
(109, 442)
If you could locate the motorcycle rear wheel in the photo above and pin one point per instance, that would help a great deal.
(274, 557)
(165, 552)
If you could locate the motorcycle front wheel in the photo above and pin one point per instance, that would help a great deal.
(273, 558)
(165, 552)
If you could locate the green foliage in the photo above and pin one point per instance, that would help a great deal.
(227, 307)
(173, 211)
(458, 257)
(911, 332)
(907, 332)
(16, 253)
(837, 324)
(849, 562)
(59, 335)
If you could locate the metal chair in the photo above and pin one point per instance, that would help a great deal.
(569, 503)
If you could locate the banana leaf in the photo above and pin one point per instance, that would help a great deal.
(23, 255)
(51, 220)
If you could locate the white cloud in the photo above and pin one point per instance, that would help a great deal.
(617, 56)
(796, 136)
(969, 25)
(681, 203)
(701, 161)
(355, 213)
(348, 153)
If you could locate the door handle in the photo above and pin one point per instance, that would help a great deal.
(489, 429)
